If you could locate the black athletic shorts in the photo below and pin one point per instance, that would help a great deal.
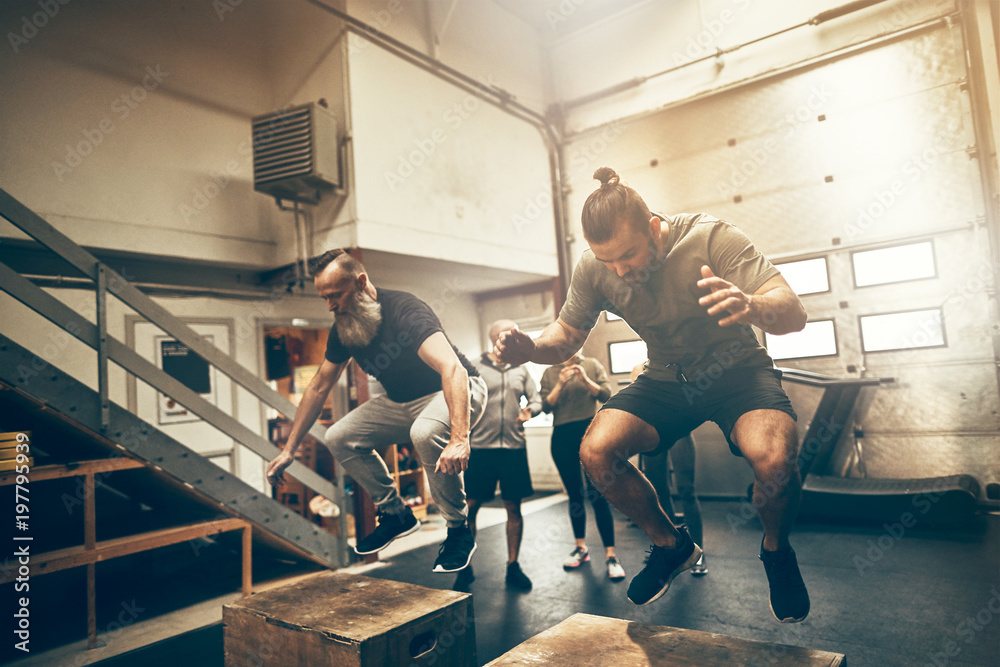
(489, 466)
(675, 409)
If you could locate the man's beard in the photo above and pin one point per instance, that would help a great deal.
(638, 279)
(357, 326)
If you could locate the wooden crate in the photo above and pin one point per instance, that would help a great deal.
(341, 619)
(583, 640)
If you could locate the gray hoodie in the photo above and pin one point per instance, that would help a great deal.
(498, 428)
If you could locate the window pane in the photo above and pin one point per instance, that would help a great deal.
(818, 339)
(807, 276)
(624, 356)
(902, 331)
(893, 265)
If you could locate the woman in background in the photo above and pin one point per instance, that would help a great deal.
(571, 391)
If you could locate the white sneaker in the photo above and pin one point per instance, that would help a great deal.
(576, 559)
(615, 570)
(699, 569)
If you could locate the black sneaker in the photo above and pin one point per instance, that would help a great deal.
(390, 526)
(516, 578)
(789, 597)
(662, 565)
(456, 551)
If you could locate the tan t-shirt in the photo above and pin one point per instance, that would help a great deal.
(575, 403)
(679, 334)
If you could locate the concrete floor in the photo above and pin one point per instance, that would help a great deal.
(922, 597)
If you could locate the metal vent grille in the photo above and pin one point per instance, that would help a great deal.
(295, 153)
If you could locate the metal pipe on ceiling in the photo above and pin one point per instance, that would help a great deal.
(634, 82)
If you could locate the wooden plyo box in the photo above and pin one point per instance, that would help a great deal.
(342, 619)
(583, 640)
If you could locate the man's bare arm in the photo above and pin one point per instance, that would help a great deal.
(557, 343)
(305, 416)
(438, 353)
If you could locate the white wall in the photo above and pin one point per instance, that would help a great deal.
(106, 136)
(439, 173)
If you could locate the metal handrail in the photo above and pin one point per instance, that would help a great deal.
(108, 281)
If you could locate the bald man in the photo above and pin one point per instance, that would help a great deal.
(498, 451)
(434, 396)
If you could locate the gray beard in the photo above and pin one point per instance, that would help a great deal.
(358, 326)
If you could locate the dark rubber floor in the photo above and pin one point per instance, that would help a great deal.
(882, 597)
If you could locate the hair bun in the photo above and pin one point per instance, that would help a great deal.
(607, 176)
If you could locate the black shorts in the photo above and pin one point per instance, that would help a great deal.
(675, 409)
(489, 466)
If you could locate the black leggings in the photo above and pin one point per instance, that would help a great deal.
(566, 439)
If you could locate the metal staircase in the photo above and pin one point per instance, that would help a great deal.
(44, 384)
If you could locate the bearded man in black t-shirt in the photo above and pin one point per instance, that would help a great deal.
(434, 396)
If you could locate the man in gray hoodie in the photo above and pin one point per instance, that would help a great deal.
(498, 451)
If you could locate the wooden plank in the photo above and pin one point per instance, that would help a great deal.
(247, 560)
(77, 468)
(91, 606)
(10, 466)
(89, 512)
(584, 640)
(62, 559)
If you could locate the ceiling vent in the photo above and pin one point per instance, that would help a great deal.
(295, 153)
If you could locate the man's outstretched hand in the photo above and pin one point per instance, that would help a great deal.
(727, 297)
(514, 347)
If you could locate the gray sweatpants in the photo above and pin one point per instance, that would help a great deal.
(424, 422)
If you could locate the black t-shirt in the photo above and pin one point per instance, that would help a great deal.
(391, 357)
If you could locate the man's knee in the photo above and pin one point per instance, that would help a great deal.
(426, 431)
(513, 511)
(343, 443)
(595, 453)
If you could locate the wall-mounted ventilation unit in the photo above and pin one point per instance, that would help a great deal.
(295, 153)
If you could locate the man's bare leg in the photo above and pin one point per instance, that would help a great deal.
(769, 442)
(613, 437)
(515, 529)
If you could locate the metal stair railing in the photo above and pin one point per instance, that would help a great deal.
(106, 280)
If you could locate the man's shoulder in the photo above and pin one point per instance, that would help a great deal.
(395, 296)
(687, 222)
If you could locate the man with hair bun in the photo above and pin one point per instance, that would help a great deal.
(691, 286)
(434, 396)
